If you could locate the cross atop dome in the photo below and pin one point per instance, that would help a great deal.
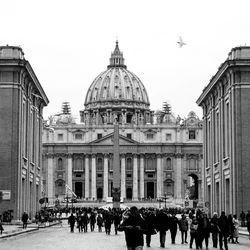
(116, 59)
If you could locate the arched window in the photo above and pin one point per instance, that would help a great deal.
(99, 164)
(192, 164)
(78, 164)
(129, 165)
(150, 163)
(168, 164)
(60, 187)
(169, 187)
(60, 164)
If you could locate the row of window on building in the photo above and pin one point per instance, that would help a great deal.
(149, 136)
(150, 164)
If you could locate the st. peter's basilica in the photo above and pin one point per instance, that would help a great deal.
(160, 154)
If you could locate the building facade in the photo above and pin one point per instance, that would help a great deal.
(160, 154)
(21, 104)
(225, 102)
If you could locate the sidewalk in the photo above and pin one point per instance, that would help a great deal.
(13, 230)
(243, 231)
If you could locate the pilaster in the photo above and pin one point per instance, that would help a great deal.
(135, 178)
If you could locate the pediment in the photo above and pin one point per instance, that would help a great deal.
(109, 140)
(150, 131)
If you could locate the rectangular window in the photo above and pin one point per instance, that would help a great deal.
(99, 175)
(168, 137)
(191, 134)
(78, 136)
(150, 136)
(99, 136)
(129, 136)
(150, 175)
(60, 137)
(78, 175)
(129, 175)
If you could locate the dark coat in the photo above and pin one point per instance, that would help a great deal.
(183, 224)
(134, 228)
(223, 225)
(71, 219)
(173, 223)
(150, 220)
(214, 228)
(162, 221)
(25, 217)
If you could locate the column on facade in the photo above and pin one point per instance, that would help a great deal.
(135, 178)
(69, 171)
(178, 176)
(141, 176)
(159, 175)
(86, 176)
(123, 178)
(93, 177)
(50, 173)
(105, 178)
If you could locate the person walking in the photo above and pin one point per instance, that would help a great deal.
(173, 224)
(134, 226)
(92, 221)
(79, 222)
(150, 219)
(203, 230)
(214, 228)
(236, 224)
(25, 218)
(248, 226)
(194, 232)
(1, 225)
(99, 220)
(183, 227)
(230, 228)
(108, 222)
(117, 220)
(71, 222)
(85, 221)
(242, 218)
(162, 225)
(223, 230)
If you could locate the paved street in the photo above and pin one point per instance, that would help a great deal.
(59, 238)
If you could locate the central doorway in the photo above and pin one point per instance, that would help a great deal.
(150, 190)
(78, 189)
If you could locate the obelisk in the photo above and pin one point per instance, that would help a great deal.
(116, 168)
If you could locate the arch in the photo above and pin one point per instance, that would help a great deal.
(168, 164)
(129, 193)
(78, 164)
(193, 187)
(99, 164)
(59, 187)
(169, 187)
(150, 163)
(60, 164)
(129, 164)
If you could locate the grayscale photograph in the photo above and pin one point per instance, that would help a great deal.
(124, 125)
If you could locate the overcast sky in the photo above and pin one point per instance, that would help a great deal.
(68, 43)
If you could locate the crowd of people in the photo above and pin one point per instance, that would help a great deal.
(149, 221)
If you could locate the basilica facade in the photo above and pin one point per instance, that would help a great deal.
(159, 154)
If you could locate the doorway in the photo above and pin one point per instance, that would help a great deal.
(78, 189)
(150, 190)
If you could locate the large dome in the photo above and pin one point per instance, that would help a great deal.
(116, 94)
(117, 85)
